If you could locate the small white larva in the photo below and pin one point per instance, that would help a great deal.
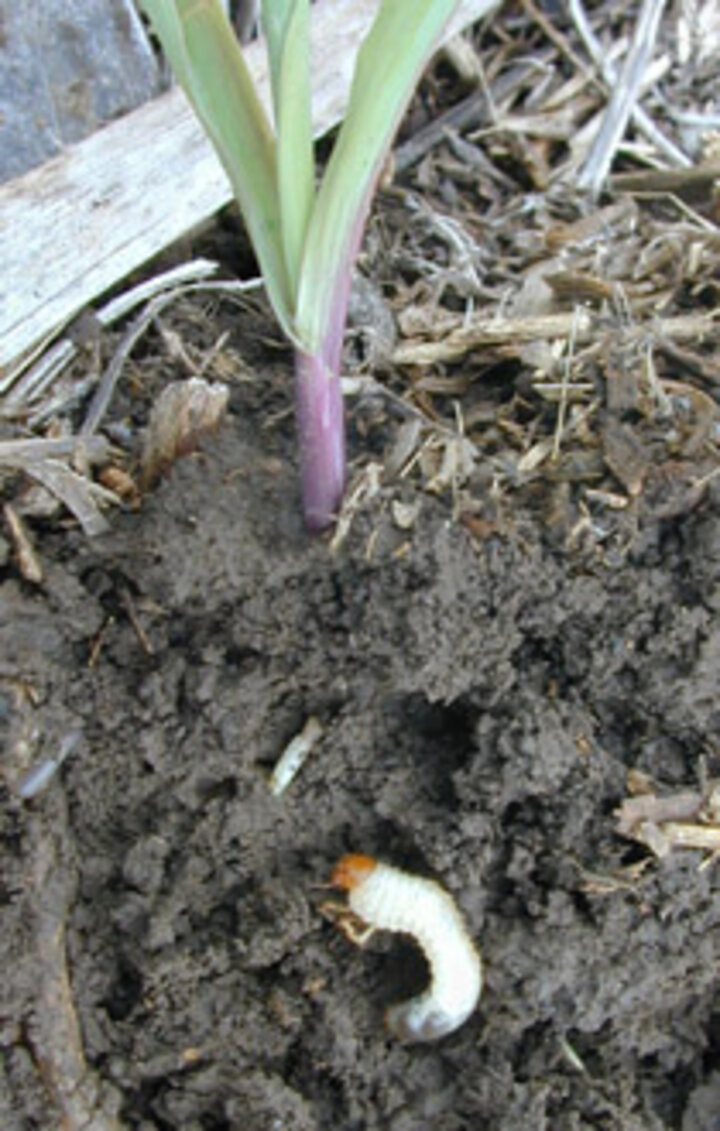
(386, 898)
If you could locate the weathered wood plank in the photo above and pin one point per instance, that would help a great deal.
(76, 226)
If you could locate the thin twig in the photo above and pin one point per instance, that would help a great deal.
(641, 119)
(18, 453)
(609, 72)
(471, 112)
(135, 331)
(31, 378)
(556, 37)
(566, 377)
(54, 1032)
(624, 98)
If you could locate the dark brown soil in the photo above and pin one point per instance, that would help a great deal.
(483, 698)
(512, 636)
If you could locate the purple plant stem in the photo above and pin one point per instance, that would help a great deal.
(321, 431)
(319, 408)
(318, 394)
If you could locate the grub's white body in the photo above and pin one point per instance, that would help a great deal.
(393, 900)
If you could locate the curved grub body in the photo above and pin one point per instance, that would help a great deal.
(386, 898)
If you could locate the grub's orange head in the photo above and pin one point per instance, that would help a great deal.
(351, 870)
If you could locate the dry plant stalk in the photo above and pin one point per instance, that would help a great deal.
(690, 819)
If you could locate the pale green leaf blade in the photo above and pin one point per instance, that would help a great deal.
(287, 29)
(208, 63)
(390, 62)
(275, 17)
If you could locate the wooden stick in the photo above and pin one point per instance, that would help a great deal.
(512, 332)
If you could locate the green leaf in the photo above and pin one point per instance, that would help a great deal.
(390, 62)
(287, 29)
(276, 17)
(208, 63)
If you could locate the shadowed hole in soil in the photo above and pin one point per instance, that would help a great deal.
(437, 739)
(126, 990)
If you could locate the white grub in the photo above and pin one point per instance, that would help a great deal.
(294, 755)
(386, 898)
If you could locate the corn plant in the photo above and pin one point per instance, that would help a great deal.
(306, 237)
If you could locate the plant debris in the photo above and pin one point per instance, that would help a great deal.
(28, 561)
(689, 819)
(577, 337)
(183, 413)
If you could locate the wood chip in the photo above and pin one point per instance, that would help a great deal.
(27, 558)
(183, 413)
(625, 455)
